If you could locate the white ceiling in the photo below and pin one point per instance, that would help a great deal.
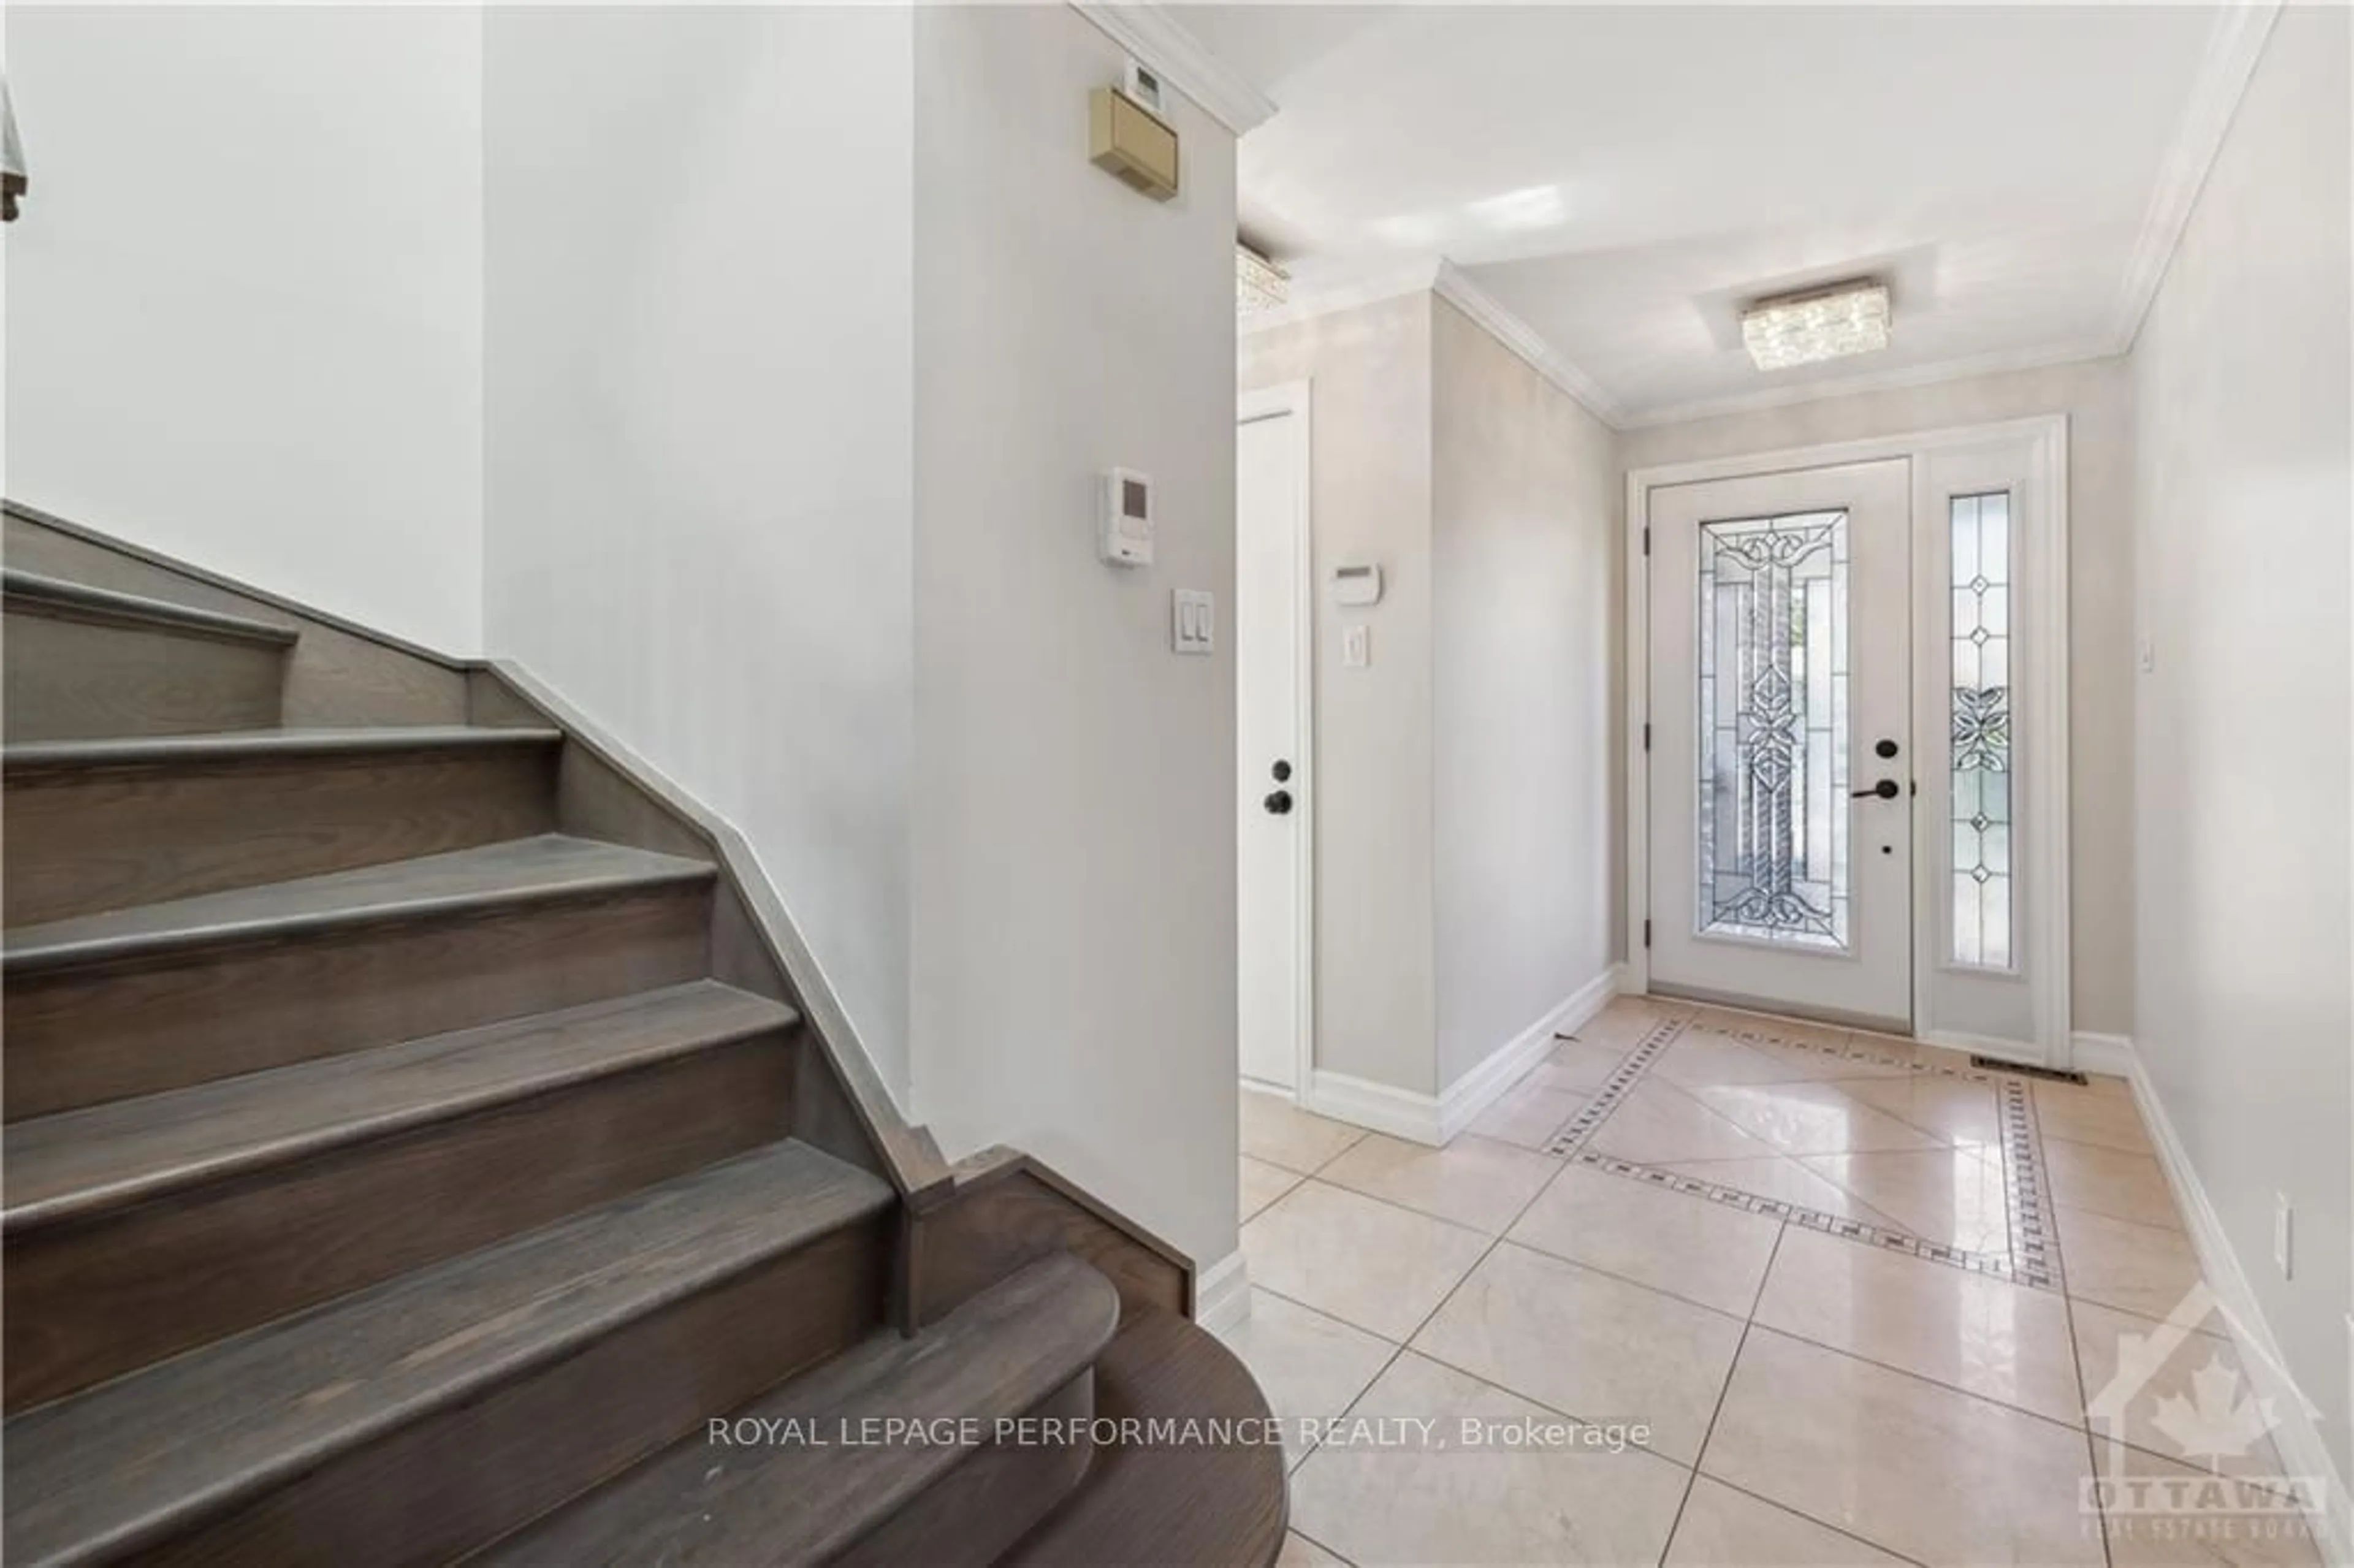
(1623, 179)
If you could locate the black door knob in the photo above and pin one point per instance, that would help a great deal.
(1887, 789)
(1280, 803)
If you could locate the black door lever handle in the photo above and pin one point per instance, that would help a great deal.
(1886, 789)
(1280, 803)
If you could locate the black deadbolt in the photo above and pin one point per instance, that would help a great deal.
(1280, 803)
(1884, 748)
(1282, 770)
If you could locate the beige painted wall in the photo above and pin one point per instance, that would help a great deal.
(2097, 397)
(2245, 761)
(1073, 964)
(1376, 996)
(1522, 519)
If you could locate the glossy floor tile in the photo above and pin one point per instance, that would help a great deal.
(1870, 1304)
(2118, 1182)
(1721, 1527)
(1421, 1503)
(2083, 1115)
(2173, 1390)
(1784, 1180)
(1707, 1252)
(1657, 1123)
(1477, 1182)
(1528, 1114)
(1925, 1471)
(2157, 1513)
(1263, 1184)
(1577, 1067)
(1310, 1366)
(1812, 1118)
(1970, 1331)
(2136, 1268)
(1587, 1344)
(1368, 1262)
(1279, 1133)
(1953, 1197)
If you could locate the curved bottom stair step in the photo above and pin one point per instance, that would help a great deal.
(1193, 1501)
(887, 1454)
(414, 1421)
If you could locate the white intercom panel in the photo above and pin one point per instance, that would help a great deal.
(1357, 585)
(1124, 533)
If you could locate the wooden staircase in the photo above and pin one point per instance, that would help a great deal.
(427, 1142)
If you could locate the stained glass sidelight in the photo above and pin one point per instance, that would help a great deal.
(1980, 525)
(1773, 729)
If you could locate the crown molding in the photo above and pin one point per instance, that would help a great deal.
(1458, 290)
(1154, 36)
(1996, 364)
(2233, 45)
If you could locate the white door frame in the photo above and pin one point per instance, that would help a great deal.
(2043, 710)
(1292, 398)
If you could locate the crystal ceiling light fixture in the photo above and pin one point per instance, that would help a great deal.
(1817, 323)
(1259, 283)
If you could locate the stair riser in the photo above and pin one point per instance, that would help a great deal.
(75, 679)
(461, 1475)
(989, 1501)
(87, 840)
(90, 1298)
(81, 1036)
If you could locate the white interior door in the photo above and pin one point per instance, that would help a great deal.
(1781, 769)
(1270, 522)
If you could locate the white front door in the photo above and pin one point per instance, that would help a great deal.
(1781, 766)
(1270, 524)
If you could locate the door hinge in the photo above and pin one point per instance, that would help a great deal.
(1646, 541)
(1647, 933)
(1647, 735)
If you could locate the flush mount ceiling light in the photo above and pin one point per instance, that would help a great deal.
(1259, 283)
(1818, 323)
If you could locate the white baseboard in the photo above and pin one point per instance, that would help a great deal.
(1433, 1119)
(1222, 1294)
(1480, 1087)
(2299, 1437)
(2111, 1055)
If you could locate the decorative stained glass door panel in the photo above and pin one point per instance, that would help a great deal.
(1780, 814)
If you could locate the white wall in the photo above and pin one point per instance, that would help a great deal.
(1522, 517)
(1464, 844)
(1074, 812)
(1370, 474)
(2246, 1007)
(2098, 400)
(700, 376)
(244, 299)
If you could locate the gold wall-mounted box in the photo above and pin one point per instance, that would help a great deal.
(1128, 140)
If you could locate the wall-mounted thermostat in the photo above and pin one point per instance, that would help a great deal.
(1124, 532)
(1356, 585)
(1142, 83)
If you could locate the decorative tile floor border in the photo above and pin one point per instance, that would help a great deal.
(2032, 1259)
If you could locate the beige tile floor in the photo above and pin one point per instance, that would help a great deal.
(1810, 1399)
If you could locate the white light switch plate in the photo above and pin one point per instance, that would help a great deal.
(1193, 620)
(1356, 646)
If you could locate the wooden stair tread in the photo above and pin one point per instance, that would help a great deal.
(994, 1357)
(40, 594)
(549, 866)
(77, 1162)
(103, 1472)
(1169, 1503)
(22, 758)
